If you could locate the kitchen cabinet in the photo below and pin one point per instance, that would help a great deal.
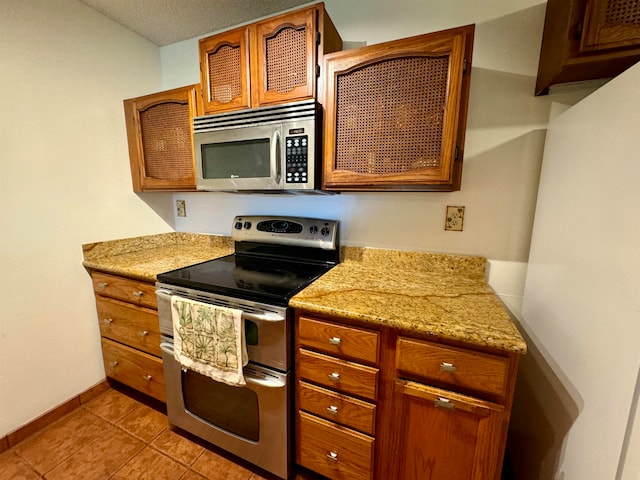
(375, 403)
(586, 40)
(395, 113)
(337, 389)
(130, 334)
(160, 138)
(271, 61)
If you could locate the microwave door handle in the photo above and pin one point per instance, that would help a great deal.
(275, 156)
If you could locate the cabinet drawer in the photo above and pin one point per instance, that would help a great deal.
(134, 368)
(338, 374)
(451, 366)
(338, 408)
(336, 452)
(133, 291)
(125, 323)
(340, 340)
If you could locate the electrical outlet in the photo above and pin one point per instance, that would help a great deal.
(454, 219)
(181, 206)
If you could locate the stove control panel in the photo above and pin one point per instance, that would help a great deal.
(299, 231)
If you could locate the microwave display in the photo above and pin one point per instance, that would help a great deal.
(239, 159)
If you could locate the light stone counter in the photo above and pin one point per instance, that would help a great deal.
(143, 258)
(441, 295)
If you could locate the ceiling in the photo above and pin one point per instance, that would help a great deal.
(169, 21)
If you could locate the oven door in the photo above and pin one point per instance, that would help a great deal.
(252, 422)
(266, 327)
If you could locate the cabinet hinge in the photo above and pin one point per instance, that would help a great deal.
(464, 66)
(318, 71)
(456, 155)
(579, 27)
(317, 38)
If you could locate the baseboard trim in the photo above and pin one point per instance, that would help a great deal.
(47, 418)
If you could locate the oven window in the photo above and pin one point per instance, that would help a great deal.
(243, 159)
(234, 409)
(250, 332)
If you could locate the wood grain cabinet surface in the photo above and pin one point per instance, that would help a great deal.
(439, 410)
(267, 62)
(587, 40)
(160, 138)
(128, 320)
(395, 113)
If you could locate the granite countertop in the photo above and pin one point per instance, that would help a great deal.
(441, 295)
(143, 258)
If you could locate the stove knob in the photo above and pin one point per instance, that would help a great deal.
(247, 225)
(238, 226)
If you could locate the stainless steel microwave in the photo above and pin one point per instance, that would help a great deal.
(267, 148)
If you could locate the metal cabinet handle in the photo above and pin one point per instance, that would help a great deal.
(332, 409)
(113, 363)
(102, 284)
(137, 294)
(447, 367)
(107, 321)
(334, 377)
(332, 456)
(143, 333)
(444, 403)
(147, 377)
(335, 341)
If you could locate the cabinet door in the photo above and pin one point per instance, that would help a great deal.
(284, 60)
(160, 137)
(396, 113)
(611, 24)
(224, 71)
(445, 436)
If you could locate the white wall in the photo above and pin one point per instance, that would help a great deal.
(504, 143)
(64, 181)
(574, 415)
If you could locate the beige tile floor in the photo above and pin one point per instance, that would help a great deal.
(115, 436)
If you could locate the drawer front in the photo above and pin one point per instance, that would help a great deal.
(477, 371)
(339, 340)
(336, 452)
(337, 374)
(135, 326)
(342, 409)
(132, 291)
(134, 368)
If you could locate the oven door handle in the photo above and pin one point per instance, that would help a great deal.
(167, 347)
(263, 317)
(269, 383)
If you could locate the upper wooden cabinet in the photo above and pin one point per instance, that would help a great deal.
(271, 61)
(586, 40)
(160, 137)
(395, 113)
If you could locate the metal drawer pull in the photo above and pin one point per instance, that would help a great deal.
(147, 377)
(102, 284)
(137, 294)
(332, 456)
(332, 409)
(335, 341)
(113, 363)
(444, 403)
(107, 321)
(447, 367)
(144, 333)
(334, 377)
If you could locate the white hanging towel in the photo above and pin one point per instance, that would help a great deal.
(209, 339)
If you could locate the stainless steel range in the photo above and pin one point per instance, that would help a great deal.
(275, 257)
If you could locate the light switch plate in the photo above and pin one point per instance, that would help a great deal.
(454, 218)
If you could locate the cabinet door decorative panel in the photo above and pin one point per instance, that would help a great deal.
(160, 140)
(224, 71)
(445, 435)
(610, 24)
(285, 57)
(396, 113)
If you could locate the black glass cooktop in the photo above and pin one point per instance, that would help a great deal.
(266, 280)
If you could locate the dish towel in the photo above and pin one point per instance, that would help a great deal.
(209, 339)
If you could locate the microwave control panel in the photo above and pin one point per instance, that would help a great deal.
(297, 159)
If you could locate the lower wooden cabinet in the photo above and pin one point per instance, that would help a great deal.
(128, 319)
(398, 406)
